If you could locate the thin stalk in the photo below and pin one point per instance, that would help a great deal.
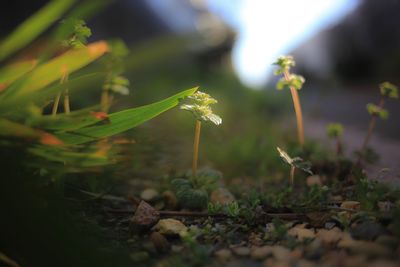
(372, 126)
(196, 150)
(56, 103)
(297, 109)
(339, 148)
(57, 99)
(67, 108)
(292, 171)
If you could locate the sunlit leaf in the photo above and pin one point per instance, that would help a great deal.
(123, 120)
(68, 62)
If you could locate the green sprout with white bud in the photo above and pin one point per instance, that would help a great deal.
(387, 90)
(294, 82)
(335, 132)
(295, 163)
(199, 106)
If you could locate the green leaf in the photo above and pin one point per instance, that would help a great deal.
(33, 27)
(121, 121)
(65, 64)
(375, 110)
(389, 90)
(334, 130)
(12, 72)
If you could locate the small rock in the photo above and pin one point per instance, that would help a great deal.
(329, 225)
(382, 263)
(160, 243)
(364, 247)
(170, 200)
(276, 263)
(241, 251)
(301, 233)
(367, 230)
(329, 237)
(353, 205)
(280, 253)
(305, 263)
(223, 254)
(221, 196)
(354, 260)
(149, 194)
(169, 227)
(145, 215)
(313, 180)
(260, 253)
(296, 254)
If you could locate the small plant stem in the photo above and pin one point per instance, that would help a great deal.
(292, 171)
(56, 103)
(104, 100)
(57, 99)
(67, 108)
(196, 150)
(339, 148)
(371, 127)
(297, 109)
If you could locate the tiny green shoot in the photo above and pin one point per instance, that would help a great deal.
(293, 82)
(201, 110)
(115, 83)
(295, 163)
(78, 39)
(335, 132)
(387, 90)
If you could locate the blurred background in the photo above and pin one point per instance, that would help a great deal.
(344, 49)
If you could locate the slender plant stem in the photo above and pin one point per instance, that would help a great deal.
(339, 148)
(67, 108)
(371, 127)
(57, 99)
(196, 150)
(56, 103)
(292, 171)
(297, 109)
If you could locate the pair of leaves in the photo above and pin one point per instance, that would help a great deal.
(296, 162)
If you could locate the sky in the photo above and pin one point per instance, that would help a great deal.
(268, 28)
(265, 29)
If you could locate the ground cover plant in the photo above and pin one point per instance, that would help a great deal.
(102, 185)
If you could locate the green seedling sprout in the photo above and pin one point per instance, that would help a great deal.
(295, 163)
(293, 82)
(201, 110)
(80, 32)
(335, 132)
(114, 83)
(387, 90)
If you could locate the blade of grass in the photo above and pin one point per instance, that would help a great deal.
(53, 70)
(33, 27)
(122, 121)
